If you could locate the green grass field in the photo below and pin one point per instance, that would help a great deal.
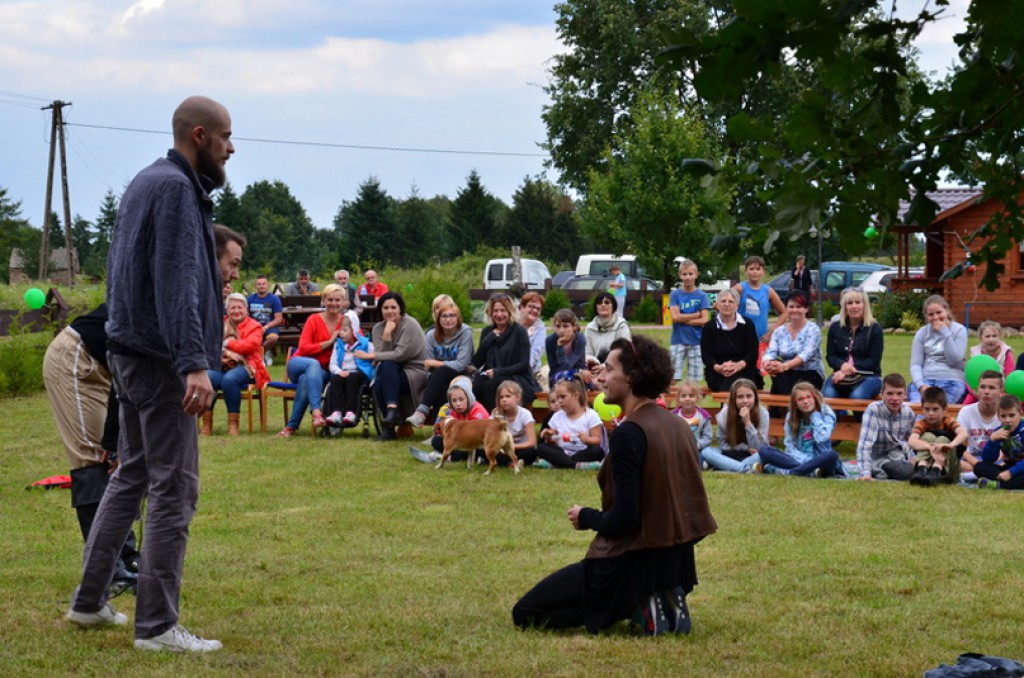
(347, 557)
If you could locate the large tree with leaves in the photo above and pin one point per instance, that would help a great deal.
(366, 227)
(848, 151)
(644, 203)
(475, 218)
(279, 231)
(16, 232)
(542, 221)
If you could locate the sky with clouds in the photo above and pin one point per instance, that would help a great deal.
(458, 80)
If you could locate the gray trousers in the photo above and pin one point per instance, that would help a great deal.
(159, 453)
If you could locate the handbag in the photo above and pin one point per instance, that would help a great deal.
(851, 380)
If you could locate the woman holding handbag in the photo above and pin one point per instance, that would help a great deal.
(854, 350)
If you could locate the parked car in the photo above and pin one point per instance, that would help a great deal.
(600, 282)
(838, 275)
(561, 277)
(499, 274)
(880, 282)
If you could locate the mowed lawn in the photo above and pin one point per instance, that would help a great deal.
(347, 557)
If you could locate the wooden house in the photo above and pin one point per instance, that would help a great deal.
(961, 212)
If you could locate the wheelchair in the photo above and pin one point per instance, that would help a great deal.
(368, 412)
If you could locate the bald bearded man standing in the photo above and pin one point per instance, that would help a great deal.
(164, 331)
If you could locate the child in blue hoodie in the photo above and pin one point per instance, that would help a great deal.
(1002, 458)
(808, 442)
(348, 375)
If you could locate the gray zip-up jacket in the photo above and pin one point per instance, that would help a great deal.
(163, 279)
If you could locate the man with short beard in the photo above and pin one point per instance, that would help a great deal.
(164, 331)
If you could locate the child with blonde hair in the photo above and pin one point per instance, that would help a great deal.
(699, 420)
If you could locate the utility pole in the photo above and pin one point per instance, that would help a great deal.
(57, 136)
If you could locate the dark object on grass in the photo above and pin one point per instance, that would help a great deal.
(974, 665)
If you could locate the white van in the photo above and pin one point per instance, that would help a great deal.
(599, 264)
(499, 274)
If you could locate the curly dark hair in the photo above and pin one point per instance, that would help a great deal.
(647, 364)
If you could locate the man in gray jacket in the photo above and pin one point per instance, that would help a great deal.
(164, 331)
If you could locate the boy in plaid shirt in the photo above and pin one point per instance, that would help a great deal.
(882, 450)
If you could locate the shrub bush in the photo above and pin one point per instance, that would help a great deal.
(553, 300)
(647, 311)
(419, 287)
(21, 361)
(889, 309)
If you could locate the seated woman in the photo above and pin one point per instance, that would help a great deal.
(794, 350)
(653, 510)
(729, 346)
(399, 351)
(307, 368)
(605, 328)
(348, 376)
(530, 308)
(854, 350)
(503, 353)
(937, 354)
(241, 362)
(450, 349)
(566, 348)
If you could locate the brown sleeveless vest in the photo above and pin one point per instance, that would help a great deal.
(673, 504)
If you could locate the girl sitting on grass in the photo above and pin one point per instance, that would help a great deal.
(808, 441)
(521, 425)
(742, 430)
(687, 395)
(575, 433)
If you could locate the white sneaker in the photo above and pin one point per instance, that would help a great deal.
(177, 640)
(335, 418)
(349, 419)
(105, 616)
(268, 359)
(417, 419)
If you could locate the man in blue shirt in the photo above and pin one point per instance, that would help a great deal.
(266, 309)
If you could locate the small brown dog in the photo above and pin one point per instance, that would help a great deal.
(490, 434)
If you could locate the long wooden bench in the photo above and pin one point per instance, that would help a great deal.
(847, 425)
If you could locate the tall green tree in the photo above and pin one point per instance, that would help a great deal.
(227, 207)
(16, 232)
(366, 227)
(474, 218)
(846, 153)
(644, 203)
(542, 221)
(279, 232)
(104, 226)
(83, 239)
(421, 226)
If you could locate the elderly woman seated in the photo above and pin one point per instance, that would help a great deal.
(241, 362)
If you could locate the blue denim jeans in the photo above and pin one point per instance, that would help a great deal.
(826, 459)
(719, 461)
(309, 379)
(865, 390)
(956, 391)
(231, 384)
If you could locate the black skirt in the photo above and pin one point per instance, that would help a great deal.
(613, 587)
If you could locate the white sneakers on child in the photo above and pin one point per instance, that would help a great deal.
(105, 616)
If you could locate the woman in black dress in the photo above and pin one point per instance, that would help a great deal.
(728, 346)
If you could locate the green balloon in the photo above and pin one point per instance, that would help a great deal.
(606, 411)
(870, 233)
(1015, 383)
(978, 364)
(35, 298)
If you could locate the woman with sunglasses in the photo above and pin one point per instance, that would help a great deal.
(606, 327)
(854, 349)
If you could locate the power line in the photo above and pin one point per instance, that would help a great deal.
(23, 96)
(326, 144)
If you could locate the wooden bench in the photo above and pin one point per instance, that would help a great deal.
(847, 426)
